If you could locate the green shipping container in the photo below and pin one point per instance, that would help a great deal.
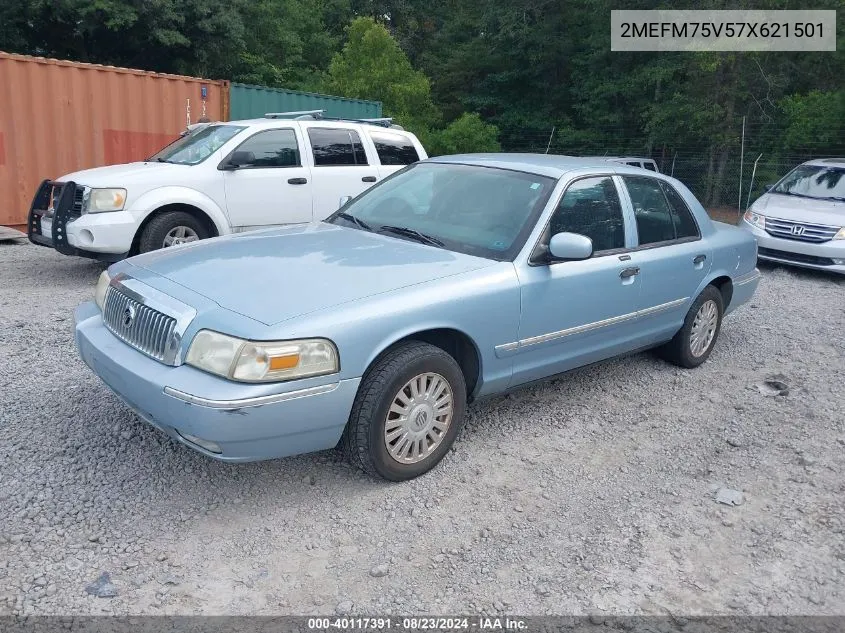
(249, 102)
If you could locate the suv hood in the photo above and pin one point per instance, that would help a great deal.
(797, 209)
(121, 175)
(276, 274)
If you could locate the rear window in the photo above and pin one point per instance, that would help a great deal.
(394, 149)
(336, 147)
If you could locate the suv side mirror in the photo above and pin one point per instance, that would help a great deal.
(237, 160)
(570, 246)
(343, 201)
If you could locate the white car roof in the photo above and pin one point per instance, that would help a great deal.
(827, 162)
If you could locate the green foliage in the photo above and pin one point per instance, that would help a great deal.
(466, 134)
(524, 66)
(372, 66)
(814, 121)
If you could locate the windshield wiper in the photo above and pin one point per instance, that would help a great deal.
(837, 198)
(412, 233)
(351, 218)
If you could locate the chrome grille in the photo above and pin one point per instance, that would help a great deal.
(800, 231)
(147, 330)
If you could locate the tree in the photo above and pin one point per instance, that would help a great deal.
(372, 66)
(468, 133)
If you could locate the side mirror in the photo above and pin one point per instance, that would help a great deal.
(343, 201)
(238, 159)
(768, 187)
(570, 246)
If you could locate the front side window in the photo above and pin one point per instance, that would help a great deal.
(482, 211)
(394, 149)
(195, 147)
(660, 216)
(591, 207)
(271, 148)
(814, 181)
(333, 147)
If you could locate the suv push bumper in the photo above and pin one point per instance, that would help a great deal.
(52, 214)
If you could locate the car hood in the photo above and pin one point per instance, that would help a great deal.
(276, 274)
(797, 209)
(121, 175)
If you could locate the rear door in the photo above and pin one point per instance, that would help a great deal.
(341, 166)
(670, 254)
(273, 187)
(394, 150)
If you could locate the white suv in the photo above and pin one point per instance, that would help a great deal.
(217, 179)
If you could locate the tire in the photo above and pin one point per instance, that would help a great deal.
(161, 226)
(388, 381)
(685, 349)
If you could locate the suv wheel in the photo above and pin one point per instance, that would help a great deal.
(171, 229)
(408, 411)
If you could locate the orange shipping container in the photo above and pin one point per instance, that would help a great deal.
(57, 117)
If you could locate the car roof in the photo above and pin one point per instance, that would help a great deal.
(552, 165)
(827, 162)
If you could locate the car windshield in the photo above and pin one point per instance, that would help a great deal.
(195, 147)
(482, 211)
(814, 181)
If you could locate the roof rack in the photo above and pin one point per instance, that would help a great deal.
(319, 115)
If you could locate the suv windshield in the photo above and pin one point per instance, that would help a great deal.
(814, 181)
(482, 211)
(196, 147)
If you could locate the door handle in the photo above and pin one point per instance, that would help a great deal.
(368, 179)
(297, 181)
(699, 258)
(630, 272)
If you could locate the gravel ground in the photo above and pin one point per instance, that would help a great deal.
(594, 493)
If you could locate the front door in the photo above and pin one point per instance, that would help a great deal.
(341, 167)
(272, 186)
(578, 312)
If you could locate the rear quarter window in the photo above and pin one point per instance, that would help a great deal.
(394, 149)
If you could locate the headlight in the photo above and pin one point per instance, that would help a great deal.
(262, 361)
(755, 219)
(840, 235)
(100, 200)
(101, 289)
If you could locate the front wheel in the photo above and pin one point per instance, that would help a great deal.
(171, 229)
(694, 342)
(408, 411)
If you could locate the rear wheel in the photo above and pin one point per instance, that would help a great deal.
(408, 411)
(694, 342)
(171, 229)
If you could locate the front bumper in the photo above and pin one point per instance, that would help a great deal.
(829, 256)
(247, 422)
(103, 236)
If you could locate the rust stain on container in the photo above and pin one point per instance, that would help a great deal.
(57, 117)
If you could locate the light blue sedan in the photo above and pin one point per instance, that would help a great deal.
(456, 278)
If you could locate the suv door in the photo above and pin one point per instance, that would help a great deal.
(341, 167)
(672, 258)
(577, 312)
(271, 186)
(394, 150)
